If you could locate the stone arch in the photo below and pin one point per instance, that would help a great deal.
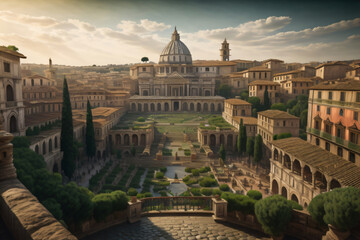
(133, 107)
(276, 155)
(320, 180)
(10, 93)
(212, 140)
(287, 161)
(37, 149)
(219, 107)
(334, 184)
(198, 107)
(159, 106)
(139, 107)
(305, 205)
(55, 142)
(297, 167)
(145, 93)
(294, 198)
(222, 139)
(307, 175)
(185, 106)
(55, 168)
(284, 192)
(206, 107)
(13, 124)
(118, 139)
(146, 107)
(44, 148)
(143, 140)
(274, 187)
(126, 140)
(192, 107)
(230, 140)
(135, 140)
(152, 107)
(167, 107)
(212, 107)
(50, 145)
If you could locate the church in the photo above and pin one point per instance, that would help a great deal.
(177, 83)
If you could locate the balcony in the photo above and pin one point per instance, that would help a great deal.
(336, 140)
(11, 104)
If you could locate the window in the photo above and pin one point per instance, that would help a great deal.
(284, 123)
(340, 151)
(328, 128)
(352, 157)
(144, 69)
(253, 75)
(355, 116)
(41, 82)
(24, 82)
(318, 108)
(341, 113)
(265, 74)
(294, 90)
(319, 95)
(6, 67)
(327, 146)
(330, 96)
(342, 96)
(260, 87)
(328, 110)
(207, 69)
(317, 142)
(358, 96)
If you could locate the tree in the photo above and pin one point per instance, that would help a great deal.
(13, 48)
(144, 59)
(278, 106)
(258, 149)
(238, 143)
(244, 95)
(267, 102)
(243, 138)
(250, 147)
(222, 152)
(256, 195)
(90, 133)
(21, 142)
(274, 214)
(224, 91)
(67, 134)
(303, 118)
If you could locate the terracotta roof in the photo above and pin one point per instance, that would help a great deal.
(8, 51)
(257, 69)
(264, 82)
(236, 101)
(39, 76)
(349, 85)
(242, 61)
(299, 80)
(332, 64)
(246, 120)
(277, 114)
(210, 63)
(289, 72)
(272, 59)
(347, 173)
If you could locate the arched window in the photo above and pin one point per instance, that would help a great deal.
(13, 124)
(9, 93)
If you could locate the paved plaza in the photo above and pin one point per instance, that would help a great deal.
(176, 227)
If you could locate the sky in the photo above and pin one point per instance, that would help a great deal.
(87, 32)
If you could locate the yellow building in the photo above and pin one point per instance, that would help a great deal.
(257, 89)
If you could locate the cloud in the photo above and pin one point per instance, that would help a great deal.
(26, 19)
(145, 26)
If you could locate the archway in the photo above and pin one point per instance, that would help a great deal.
(50, 145)
(152, 107)
(139, 107)
(126, 140)
(287, 162)
(9, 93)
(198, 107)
(44, 148)
(13, 124)
(159, 106)
(192, 107)
(37, 149)
(284, 192)
(296, 167)
(219, 107)
(146, 107)
(55, 168)
(212, 140)
(230, 140)
(118, 139)
(55, 142)
(166, 107)
(143, 140)
(334, 184)
(275, 187)
(294, 198)
(307, 175)
(222, 139)
(135, 140)
(320, 180)
(206, 107)
(212, 107)
(133, 107)
(276, 155)
(185, 106)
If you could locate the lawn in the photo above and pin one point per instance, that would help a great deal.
(168, 117)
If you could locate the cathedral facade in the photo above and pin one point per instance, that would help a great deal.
(175, 83)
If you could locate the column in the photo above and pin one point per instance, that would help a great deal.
(220, 208)
(313, 178)
(188, 90)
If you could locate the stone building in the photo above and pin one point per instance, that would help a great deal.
(294, 87)
(257, 89)
(236, 107)
(214, 138)
(300, 171)
(333, 118)
(274, 122)
(225, 51)
(250, 124)
(303, 72)
(332, 70)
(11, 98)
(353, 73)
(173, 79)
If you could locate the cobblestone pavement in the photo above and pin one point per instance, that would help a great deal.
(179, 227)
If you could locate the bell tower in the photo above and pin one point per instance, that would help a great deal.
(225, 51)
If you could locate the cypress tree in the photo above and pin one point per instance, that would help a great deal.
(90, 133)
(250, 146)
(267, 103)
(243, 137)
(222, 152)
(238, 143)
(258, 149)
(67, 134)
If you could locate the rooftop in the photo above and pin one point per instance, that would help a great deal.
(289, 72)
(345, 172)
(331, 64)
(209, 63)
(277, 114)
(246, 120)
(236, 101)
(310, 80)
(11, 52)
(257, 69)
(138, 97)
(264, 82)
(348, 85)
(273, 60)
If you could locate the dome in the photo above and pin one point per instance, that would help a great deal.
(176, 51)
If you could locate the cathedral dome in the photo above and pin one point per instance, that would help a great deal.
(176, 51)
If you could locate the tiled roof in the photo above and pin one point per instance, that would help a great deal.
(331, 64)
(257, 69)
(277, 114)
(264, 82)
(289, 72)
(348, 85)
(347, 173)
(246, 120)
(236, 101)
(272, 59)
(8, 51)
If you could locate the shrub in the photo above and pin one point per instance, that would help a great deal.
(295, 205)
(273, 213)
(144, 195)
(132, 192)
(254, 194)
(107, 203)
(120, 200)
(238, 202)
(340, 208)
(204, 169)
(224, 187)
(196, 191)
(159, 175)
(188, 170)
(163, 193)
(141, 119)
(163, 169)
(195, 172)
(187, 178)
(54, 207)
(206, 191)
(186, 194)
(21, 142)
(216, 192)
(207, 182)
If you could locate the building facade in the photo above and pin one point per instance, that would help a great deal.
(257, 89)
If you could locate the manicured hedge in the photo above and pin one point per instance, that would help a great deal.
(107, 203)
